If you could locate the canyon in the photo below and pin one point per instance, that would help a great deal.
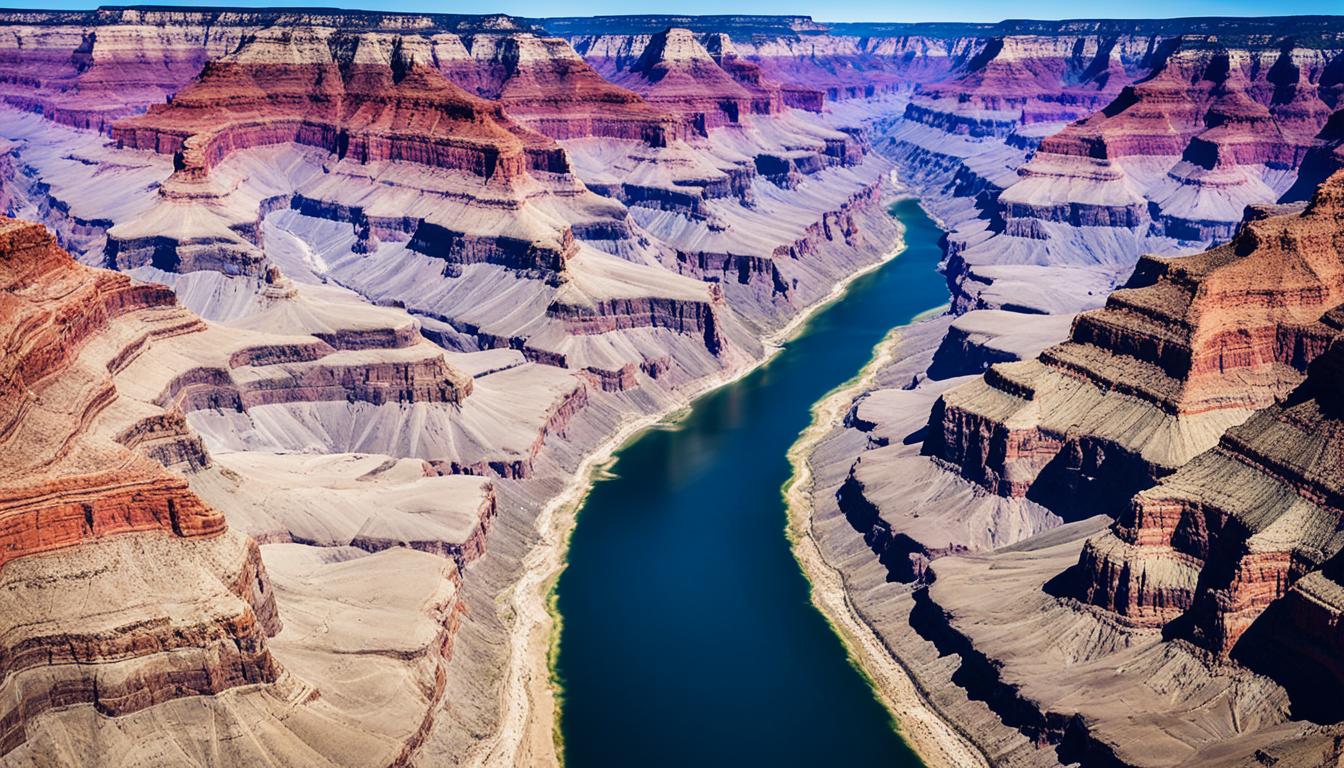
(1097, 493)
(320, 323)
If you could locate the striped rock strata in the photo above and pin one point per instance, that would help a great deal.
(1190, 347)
(184, 606)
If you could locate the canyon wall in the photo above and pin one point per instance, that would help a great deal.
(186, 607)
(1208, 550)
(1190, 346)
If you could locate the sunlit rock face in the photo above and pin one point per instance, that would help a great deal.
(546, 85)
(1062, 152)
(185, 607)
(1190, 347)
(1235, 527)
(369, 97)
(1212, 130)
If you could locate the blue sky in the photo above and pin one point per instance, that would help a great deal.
(826, 10)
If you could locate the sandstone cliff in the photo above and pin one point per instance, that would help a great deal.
(1211, 547)
(1190, 347)
(185, 605)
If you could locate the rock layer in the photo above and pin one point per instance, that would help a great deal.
(1210, 548)
(1188, 348)
(370, 97)
(75, 495)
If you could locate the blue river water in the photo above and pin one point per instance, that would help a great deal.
(688, 635)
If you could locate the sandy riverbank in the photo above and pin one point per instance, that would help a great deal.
(528, 732)
(937, 742)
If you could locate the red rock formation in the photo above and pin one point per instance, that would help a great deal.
(1020, 80)
(423, 379)
(368, 97)
(835, 225)
(458, 249)
(1214, 545)
(1205, 95)
(767, 97)
(61, 308)
(1156, 375)
(613, 380)
(1229, 533)
(66, 484)
(809, 64)
(559, 413)
(1217, 109)
(543, 83)
(677, 73)
(88, 69)
(1299, 641)
(88, 77)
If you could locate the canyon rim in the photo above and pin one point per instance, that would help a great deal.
(412, 389)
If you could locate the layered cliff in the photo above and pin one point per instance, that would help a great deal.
(1017, 81)
(184, 603)
(367, 96)
(1321, 161)
(1211, 547)
(101, 372)
(677, 73)
(808, 59)
(1190, 347)
(1169, 164)
(1221, 582)
(1222, 112)
(545, 84)
(89, 69)
(542, 225)
(88, 75)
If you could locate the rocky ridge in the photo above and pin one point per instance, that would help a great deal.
(130, 469)
(1193, 552)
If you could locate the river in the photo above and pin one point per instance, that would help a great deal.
(688, 635)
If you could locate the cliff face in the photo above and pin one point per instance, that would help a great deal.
(1226, 120)
(75, 497)
(1207, 385)
(1175, 133)
(1321, 160)
(89, 69)
(1023, 80)
(677, 73)
(811, 63)
(1188, 348)
(370, 97)
(1214, 545)
(421, 137)
(1059, 154)
(88, 77)
(102, 378)
(544, 84)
